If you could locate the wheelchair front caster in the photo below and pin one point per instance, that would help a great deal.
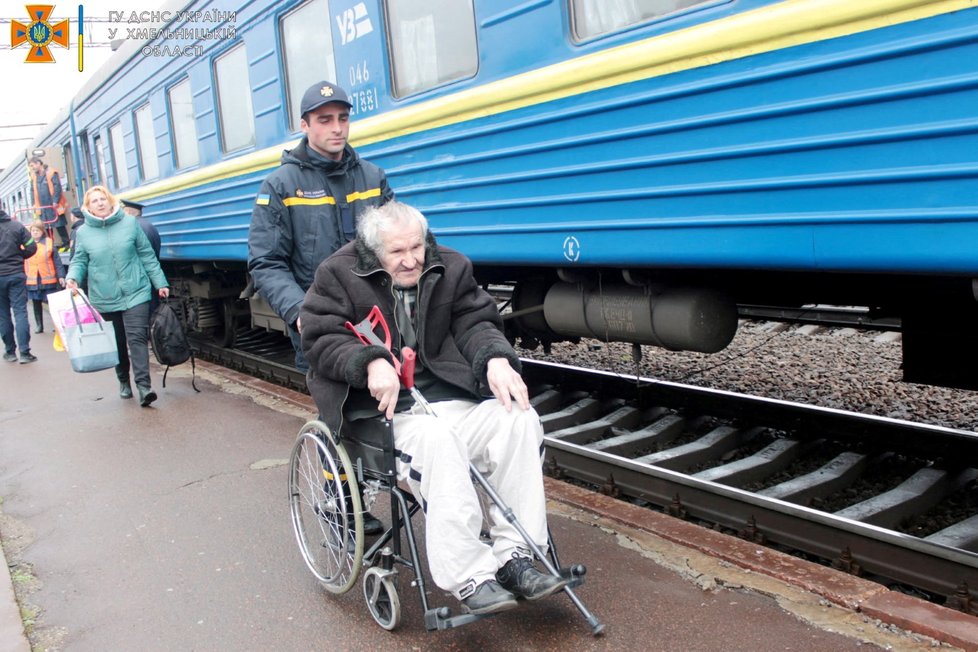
(380, 592)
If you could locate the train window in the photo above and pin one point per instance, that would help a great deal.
(182, 125)
(119, 169)
(103, 178)
(146, 141)
(432, 43)
(595, 17)
(307, 42)
(237, 115)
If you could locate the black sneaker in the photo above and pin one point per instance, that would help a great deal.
(489, 598)
(10, 357)
(520, 577)
(27, 358)
(372, 525)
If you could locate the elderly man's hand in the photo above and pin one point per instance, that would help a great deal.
(505, 383)
(384, 385)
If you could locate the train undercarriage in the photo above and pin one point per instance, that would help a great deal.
(676, 310)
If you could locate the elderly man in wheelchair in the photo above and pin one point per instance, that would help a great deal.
(477, 413)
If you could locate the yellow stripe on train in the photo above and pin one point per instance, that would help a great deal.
(766, 29)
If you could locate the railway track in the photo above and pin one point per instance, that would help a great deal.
(889, 500)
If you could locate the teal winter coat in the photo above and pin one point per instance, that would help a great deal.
(116, 258)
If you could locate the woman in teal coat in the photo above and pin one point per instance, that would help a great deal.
(114, 255)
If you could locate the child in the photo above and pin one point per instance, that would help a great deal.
(45, 272)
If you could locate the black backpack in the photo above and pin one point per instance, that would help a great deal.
(169, 340)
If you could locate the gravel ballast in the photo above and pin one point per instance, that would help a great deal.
(838, 368)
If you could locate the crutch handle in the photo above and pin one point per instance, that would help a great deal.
(365, 331)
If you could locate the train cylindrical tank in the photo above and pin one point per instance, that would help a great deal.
(680, 319)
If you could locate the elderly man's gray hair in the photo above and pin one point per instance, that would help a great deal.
(378, 220)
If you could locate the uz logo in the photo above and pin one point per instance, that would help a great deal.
(354, 23)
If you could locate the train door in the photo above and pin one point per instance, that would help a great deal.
(85, 178)
(70, 181)
(55, 157)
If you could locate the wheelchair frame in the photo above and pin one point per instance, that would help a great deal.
(327, 519)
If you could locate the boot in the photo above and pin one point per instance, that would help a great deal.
(519, 577)
(39, 317)
(488, 598)
(146, 395)
(125, 389)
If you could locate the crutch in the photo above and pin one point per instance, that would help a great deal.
(365, 330)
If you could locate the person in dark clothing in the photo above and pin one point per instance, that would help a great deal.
(47, 198)
(77, 221)
(466, 369)
(136, 210)
(16, 246)
(308, 207)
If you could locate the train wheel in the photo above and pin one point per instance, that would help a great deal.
(380, 592)
(327, 517)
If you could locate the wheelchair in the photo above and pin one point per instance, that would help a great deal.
(327, 518)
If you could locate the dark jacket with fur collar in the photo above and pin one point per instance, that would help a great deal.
(458, 325)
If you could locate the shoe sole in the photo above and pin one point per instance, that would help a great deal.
(28, 361)
(148, 399)
(492, 609)
(540, 596)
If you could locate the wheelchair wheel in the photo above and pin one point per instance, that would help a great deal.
(380, 592)
(327, 516)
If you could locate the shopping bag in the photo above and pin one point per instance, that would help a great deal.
(59, 303)
(91, 347)
(82, 315)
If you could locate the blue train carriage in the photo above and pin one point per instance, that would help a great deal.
(637, 168)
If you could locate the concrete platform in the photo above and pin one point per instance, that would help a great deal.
(167, 528)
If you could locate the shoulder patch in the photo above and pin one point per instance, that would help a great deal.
(263, 200)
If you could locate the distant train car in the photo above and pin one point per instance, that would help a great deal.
(637, 168)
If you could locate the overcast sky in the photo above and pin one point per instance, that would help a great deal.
(35, 92)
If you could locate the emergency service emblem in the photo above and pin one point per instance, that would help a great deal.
(40, 34)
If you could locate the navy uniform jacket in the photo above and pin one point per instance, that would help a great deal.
(306, 210)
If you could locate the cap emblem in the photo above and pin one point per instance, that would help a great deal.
(326, 91)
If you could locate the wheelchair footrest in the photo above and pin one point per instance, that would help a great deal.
(442, 618)
(573, 574)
